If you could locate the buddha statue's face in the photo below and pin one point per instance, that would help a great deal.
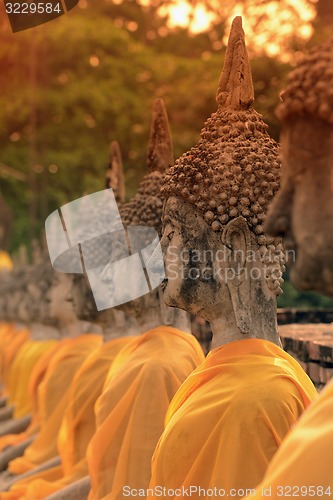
(13, 301)
(78, 294)
(302, 212)
(35, 302)
(189, 247)
(83, 300)
(61, 299)
(85, 307)
(24, 308)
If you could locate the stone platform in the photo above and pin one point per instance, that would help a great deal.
(312, 346)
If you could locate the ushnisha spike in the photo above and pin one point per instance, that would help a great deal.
(115, 173)
(159, 151)
(235, 89)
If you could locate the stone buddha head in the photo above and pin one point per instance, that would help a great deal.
(60, 298)
(113, 322)
(145, 209)
(219, 263)
(24, 296)
(10, 295)
(302, 212)
(34, 304)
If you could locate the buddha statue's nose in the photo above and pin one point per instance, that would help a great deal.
(155, 263)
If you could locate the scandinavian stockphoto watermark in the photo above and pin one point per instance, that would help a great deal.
(26, 14)
(225, 264)
(125, 263)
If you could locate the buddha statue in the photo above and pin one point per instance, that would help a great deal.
(26, 309)
(233, 411)
(306, 114)
(13, 332)
(143, 378)
(113, 321)
(47, 303)
(302, 214)
(220, 191)
(26, 303)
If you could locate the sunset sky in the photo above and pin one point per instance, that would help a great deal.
(270, 26)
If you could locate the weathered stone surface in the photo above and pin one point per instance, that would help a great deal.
(302, 212)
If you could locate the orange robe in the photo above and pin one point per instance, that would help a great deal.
(229, 418)
(53, 396)
(20, 371)
(6, 263)
(36, 377)
(79, 424)
(18, 338)
(131, 410)
(303, 465)
(11, 339)
(6, 335)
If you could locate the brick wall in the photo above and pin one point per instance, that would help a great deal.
(310, 344)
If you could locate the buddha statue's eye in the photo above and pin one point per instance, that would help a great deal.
(170, 235)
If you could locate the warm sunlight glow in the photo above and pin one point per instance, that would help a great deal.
(178, 14)
(270, 25)
(202, 19)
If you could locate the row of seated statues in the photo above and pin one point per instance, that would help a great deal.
(123, 402)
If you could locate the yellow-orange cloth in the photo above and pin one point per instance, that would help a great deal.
(79, 424)
(303, 465)
(19, 374)
(53, 396)
(7, 331)
(131, 410)
(9, 351)
(6, 334)
(229, 417)
(6, 263)
(18, 491)
(36, 377)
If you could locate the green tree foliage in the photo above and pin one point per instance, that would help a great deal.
(96, 82)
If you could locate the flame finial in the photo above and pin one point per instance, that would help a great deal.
(115, 172)
(235, 86)
(159, 151)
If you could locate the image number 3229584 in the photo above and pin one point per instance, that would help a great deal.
(24, 15)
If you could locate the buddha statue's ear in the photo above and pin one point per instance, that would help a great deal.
(237, 238)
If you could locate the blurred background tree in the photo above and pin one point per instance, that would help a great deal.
(71, 86)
